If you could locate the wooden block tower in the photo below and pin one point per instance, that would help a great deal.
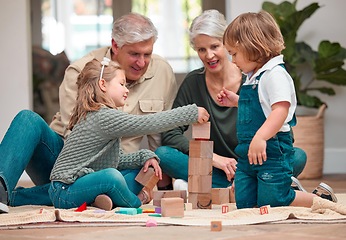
(200, 167)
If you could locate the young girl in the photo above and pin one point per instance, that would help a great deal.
(266, 107)
(90, 162)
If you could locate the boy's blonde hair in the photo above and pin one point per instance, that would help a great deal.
(256, 35)
(90, 97)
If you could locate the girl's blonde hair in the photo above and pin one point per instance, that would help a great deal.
(90, 97)
(256, 35)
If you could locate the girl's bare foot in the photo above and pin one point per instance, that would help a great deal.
(103, 202)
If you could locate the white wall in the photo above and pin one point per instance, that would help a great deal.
(15, 62)
(325, 24)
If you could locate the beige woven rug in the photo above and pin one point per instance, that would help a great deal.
(322, 211)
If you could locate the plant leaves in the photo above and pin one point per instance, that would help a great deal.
(325, 90)
(308, 101)
(337, 77)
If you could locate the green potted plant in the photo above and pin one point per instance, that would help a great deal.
(310, 69)
(324, 64)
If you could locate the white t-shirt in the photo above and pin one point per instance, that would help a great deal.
(275, 85)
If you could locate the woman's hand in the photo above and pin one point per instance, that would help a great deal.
(155, 164)
(228, 165)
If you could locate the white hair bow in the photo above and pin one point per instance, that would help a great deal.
(104, 62)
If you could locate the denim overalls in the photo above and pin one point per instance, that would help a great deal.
(269, 183)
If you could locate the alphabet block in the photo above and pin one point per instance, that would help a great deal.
(215, 226)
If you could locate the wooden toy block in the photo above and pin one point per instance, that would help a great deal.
(224, 209)
(199, 183)
(216, 226)
(220, 195)
(201, 149)
(231, 195)
(201, 131)
(200, 166)
(158, 195)
(172, 207)
(200, 200)
(264, 209)
(187, 206)
(227, 207)
(147, 179)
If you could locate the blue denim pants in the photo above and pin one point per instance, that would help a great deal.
(174, 163)
(29, 144)
(108, 181)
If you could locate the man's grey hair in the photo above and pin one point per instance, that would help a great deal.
(133, 28)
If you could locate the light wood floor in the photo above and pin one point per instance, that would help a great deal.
(264, 231)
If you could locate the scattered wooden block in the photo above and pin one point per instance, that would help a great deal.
(172, 207)
(224, 209)
(216, 226)
(158, 195)
(220, 195)
(227, 207)
(201, 131)
(201, 149)
(147, 179)
(187, 206)
(264, 209)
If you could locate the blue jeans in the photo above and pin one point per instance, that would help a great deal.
(174, 163)
(108, 181)
(29, 144)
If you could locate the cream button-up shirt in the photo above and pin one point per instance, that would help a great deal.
(153, 92)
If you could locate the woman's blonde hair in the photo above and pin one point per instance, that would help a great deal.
(257, 35)
(90, 97)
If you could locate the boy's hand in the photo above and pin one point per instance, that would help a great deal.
(257, 151)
